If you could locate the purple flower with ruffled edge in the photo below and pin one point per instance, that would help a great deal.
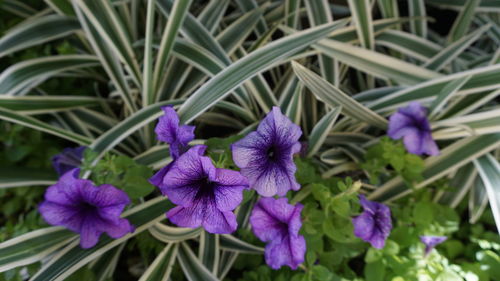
(374, 224)
(68, 159)
(81, 207)
(431, 242)
(411, 124)
(278, 223)
(177, 136)
(265, 156)
(206, 196)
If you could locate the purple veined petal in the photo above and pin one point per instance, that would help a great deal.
(265, 156)
(399, 124)
(295, 220)
(431, 241)
(158, 177)
(219, 222)
(229, 192)
(264, 223)
(118, 229)
(415, 110)
(285, 251)
(186, 216)
(170, 131)
(89, 234)
(429, 145)
(413, 142)
(364, 226)
(107, 195)
(61, 215)
(374, 224)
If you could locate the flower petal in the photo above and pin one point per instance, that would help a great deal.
(399, 124)
(429, 145)
(229, 191)
(186, 216)
(89, 234)
(413, 142)
(285, 251)
(219, 222)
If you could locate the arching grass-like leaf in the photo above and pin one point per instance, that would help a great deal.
(161, 267)
(321, 130)
(489, 171)
(192, 267)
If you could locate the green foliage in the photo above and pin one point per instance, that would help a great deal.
(388, 158)
(120, 171)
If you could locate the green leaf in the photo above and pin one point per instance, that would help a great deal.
(28, 74)
(334, 97)
(463, 20)
(73, 257)
(32, 247)
(209, 251)
(37, 31)
(375, 271)
(221, 85)
(47, 104)
(230, 243)
(169, 234)
(375, 63)
(489, 171)
(362, 17)
(192, 267)
(321, 130)
(161, 267)
(416, 9)
(16, 176)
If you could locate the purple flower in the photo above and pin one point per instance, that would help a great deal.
(374, 224)
(205, 195)
(80, 206)
(277, 222)
(68, 159)
(411, 124)
(265, 156)
(431, 242)
(177, 136)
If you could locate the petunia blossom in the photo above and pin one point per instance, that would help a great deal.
(278, 223)
(205, 195)
(68, 159)
(411, 124)
(84, 208)
(431, 242)
(265, 156)
(374, 224)
(177, 136)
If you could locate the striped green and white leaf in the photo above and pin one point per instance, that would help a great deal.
(47, 104)
(193, 268)
(169, 234)
(334, 97)
(73, 257)
(32, 72)
(37, 31)
(222, 84)
(161, 267)
(321, 130)
(17, 177)
(209, 251)
(231, 243)
(489, 172)
(32, 247)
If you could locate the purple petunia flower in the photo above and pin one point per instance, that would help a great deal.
(278, 223)
(86, 209)
(68, 159)
(265, 156)
(411, 124)
(205, 195)
(177, 136)
(431, 242)
(374, 224)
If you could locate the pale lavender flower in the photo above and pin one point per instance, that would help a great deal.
(68, 159)
(206, 196)
(431, 242)
(374, 224)
(411, 124)
(278, 223)
(265, 156)
(81, 207)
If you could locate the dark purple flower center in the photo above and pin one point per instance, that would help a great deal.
(87, 208)
(207, 188)
(273, 153)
